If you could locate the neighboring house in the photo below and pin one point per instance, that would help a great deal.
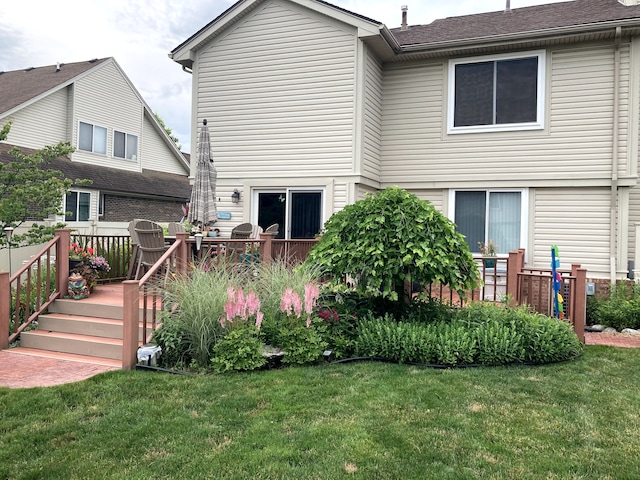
(522, 126)
(136, 169)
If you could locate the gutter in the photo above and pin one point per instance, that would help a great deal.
(613, 247)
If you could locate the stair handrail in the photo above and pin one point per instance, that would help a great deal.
(51, 290)
(135, 292)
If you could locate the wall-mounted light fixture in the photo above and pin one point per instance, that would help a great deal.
(235, 196)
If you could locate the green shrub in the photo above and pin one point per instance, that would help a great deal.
(498, 344)
(240, 349)
(455, 345)
(302, 345)
(390, 238)
(548, 340)
(620, 310)
(172, 338)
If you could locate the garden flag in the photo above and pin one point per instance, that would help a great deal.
(558, 309)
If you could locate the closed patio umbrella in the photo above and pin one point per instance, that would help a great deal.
(202, 206)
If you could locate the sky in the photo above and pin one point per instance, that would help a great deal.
(139, 34)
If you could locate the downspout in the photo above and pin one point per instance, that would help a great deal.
(614, 157)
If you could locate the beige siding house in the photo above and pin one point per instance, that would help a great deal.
(136, 169)
(522, 126)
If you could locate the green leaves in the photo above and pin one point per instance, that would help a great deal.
(389, 237)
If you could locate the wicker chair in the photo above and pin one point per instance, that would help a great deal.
(242, 231)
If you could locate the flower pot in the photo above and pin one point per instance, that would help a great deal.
(74, 263)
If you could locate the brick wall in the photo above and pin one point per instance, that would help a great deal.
(124, 209)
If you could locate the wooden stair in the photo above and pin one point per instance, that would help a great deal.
(88, 330)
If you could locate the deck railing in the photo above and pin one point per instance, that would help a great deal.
(29, 291)
(116, 249)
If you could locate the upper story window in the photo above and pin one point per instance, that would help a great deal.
(92, 138)
(125, 145)
(501, 93)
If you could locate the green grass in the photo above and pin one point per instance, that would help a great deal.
(574, 420)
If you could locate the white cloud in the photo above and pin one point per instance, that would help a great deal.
(139, 34)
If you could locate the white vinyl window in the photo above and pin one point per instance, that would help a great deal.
(485, 215)
(77, 206)
(125, 145)
(499, 93)
(92, 138)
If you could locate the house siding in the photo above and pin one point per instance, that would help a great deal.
(41, 123)
(278, 92)
(372, 118)
(576, 144)
(435, 197)
(578, 221)
(155, 154)
(105, 98)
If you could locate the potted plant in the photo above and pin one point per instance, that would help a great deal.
(488, 250)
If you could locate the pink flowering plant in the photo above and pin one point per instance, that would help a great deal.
(241, 347)
(297, 336)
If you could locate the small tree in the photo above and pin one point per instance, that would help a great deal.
(28, 189)
(175, 139)
(391, 238)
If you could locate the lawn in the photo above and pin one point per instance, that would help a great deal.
(367, 420)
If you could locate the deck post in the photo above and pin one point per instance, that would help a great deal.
(514, 267)
(5, 307)
(130, 323)
(580, 300)
(266, 252)
(182, 254)
(62, 260)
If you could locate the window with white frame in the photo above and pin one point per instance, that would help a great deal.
(499, 93)
(125, 145)
(92, 138)
(486, 215)
(77, 206)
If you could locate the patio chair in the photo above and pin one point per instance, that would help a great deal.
(275, 228)
(242, 231)
(175, 227)
(150, 244)
(135, 251)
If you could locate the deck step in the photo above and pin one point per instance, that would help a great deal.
(84, 325)
(35, 352)
(88, 345)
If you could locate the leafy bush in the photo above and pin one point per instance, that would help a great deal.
(620, 310)
(391, 238)
(481, 333)
(172, 338)
(498, 344)
(240, 349)
(302, 345)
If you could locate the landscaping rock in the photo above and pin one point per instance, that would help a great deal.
(631, 331)
(609, 330)
(597, 328)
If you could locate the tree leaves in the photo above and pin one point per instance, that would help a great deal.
(392, 236)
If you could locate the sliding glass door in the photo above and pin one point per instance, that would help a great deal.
(297, 211)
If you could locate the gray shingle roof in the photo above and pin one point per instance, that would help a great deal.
(149, 182)
(518, 21)
(20, 86)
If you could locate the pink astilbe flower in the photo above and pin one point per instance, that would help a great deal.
(286, 303)
(311, 294)
(241, 307)
(253, 303)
